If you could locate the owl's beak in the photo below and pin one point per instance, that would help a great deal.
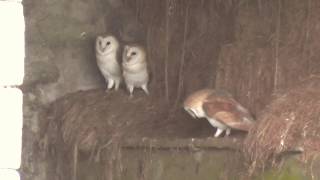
(128, 58)
(103, 49)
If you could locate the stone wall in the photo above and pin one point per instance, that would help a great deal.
(181, 159)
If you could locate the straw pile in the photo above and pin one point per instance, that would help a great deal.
(95, 119)
(289, 123)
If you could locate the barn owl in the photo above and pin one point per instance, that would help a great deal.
(220, 109)
(106, 54)
(134, 65)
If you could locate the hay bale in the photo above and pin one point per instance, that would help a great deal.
(94, 119)
(289, 122)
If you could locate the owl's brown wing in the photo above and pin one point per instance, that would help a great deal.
(228, 111)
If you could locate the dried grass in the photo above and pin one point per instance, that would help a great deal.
(289, 123)
(95, 123)
(93, 119)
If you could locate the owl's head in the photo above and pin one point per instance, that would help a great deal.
(196, 112)
(133, 54)
(106, 45)
(193, 103)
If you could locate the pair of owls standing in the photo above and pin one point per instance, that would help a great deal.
(134, 70)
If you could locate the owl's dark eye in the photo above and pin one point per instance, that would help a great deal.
(108, 43)
(133, 53)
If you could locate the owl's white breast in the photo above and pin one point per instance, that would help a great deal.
(199, 112)
(216, 123)
(136, 78)
(108, 65)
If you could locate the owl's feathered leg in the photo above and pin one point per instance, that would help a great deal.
(110, 83)
(117, 84)
(130, 89)
(218, 132)
(228, 131)
(145, 89)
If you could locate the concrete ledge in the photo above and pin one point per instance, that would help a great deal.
(188, 144)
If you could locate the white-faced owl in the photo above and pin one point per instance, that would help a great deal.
(106, 54)
(134, 66)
